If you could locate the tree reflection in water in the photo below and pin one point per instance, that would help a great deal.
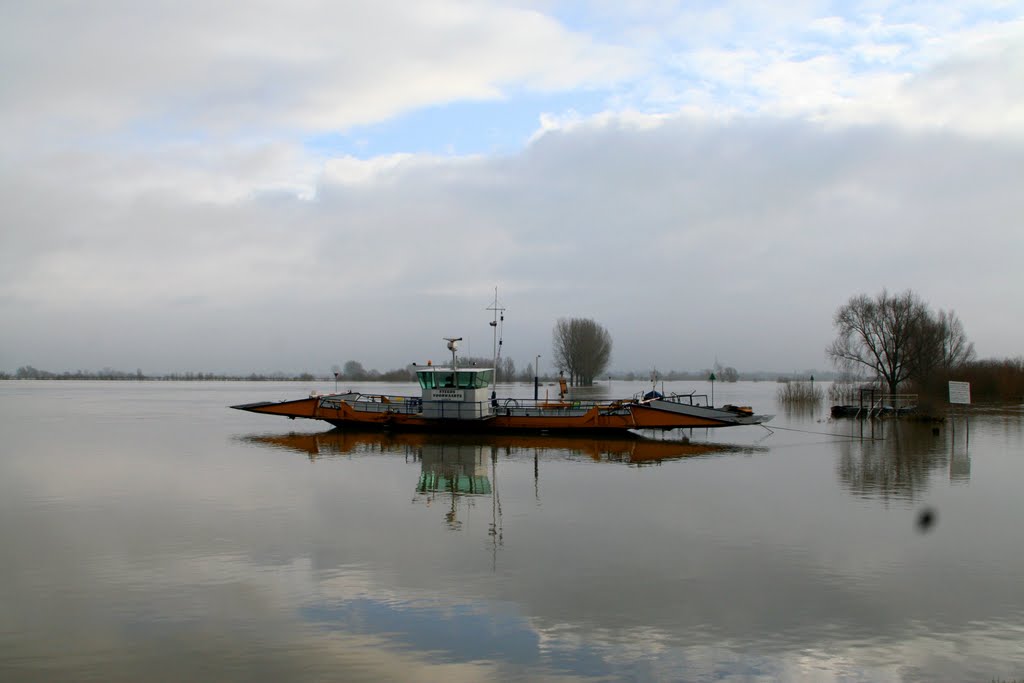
(896, 458)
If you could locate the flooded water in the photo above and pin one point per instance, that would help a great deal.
(150, 533)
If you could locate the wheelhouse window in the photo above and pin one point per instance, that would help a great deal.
(477, 379)
(460, 379)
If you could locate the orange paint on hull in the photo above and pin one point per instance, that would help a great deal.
(393, 415)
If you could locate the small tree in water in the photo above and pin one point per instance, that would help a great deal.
(581, 347)
(354, 371)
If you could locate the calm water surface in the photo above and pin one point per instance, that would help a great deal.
(149, 533)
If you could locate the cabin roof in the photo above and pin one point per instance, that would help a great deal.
(447, 368)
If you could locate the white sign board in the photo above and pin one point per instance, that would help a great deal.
(447, 395)
(960, 392)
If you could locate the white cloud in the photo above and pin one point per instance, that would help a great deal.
(178, 186)
(314, 65)
(857, 67)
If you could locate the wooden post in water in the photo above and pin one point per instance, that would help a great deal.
(536, 377)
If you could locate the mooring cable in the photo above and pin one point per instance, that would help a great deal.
(838, 436)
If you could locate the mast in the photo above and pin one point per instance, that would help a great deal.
(497, 337)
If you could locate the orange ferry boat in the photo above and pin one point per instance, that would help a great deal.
(458, 399)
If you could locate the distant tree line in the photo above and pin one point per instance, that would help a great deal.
(504, 369)
(353, 371)
(30, 372)
(992, 379)
(505, 372)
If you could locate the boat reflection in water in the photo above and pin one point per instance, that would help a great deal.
(456, 470)
(459, 473)
(631, 449)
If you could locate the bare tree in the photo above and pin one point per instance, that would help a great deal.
(354, 371)
(880, 334)
(898, 338)
(581, 347)
(526, 374)
(729, 374)
(956, 349)
(940, 346)
(506, 370)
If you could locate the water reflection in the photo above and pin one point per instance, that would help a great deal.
(898, 458)
(959, 456)
(174, 549)
(457, 473)
(457, 470)
(895, 458)
(712, 569)
(632, 450)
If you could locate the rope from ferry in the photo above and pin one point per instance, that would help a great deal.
(838, 436)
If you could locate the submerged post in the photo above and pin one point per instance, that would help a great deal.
(536, 377)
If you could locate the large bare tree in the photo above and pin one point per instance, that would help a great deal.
(897, 338)
(581, 347)
(955, 349)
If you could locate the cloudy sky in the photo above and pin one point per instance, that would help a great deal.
(284, 186)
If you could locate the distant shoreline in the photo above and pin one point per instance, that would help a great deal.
(307, 377)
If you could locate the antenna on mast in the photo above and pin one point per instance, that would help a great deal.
(453, 346)
(498, 310)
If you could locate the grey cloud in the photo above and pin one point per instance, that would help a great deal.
(689, 240)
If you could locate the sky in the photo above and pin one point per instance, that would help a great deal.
(288, 186)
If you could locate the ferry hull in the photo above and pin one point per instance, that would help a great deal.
(404, 413)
